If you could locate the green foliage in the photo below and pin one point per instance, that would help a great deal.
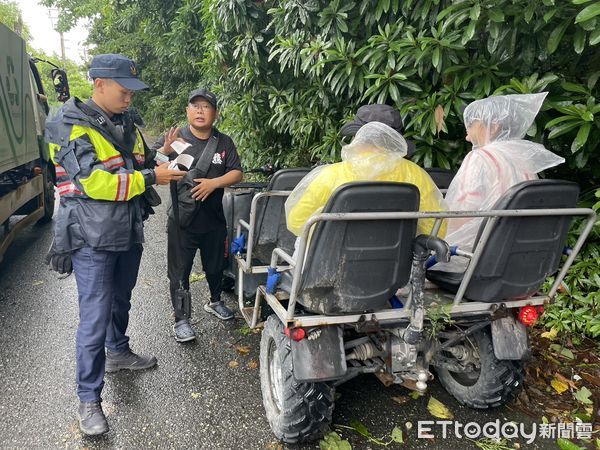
(10, 15)
(290, 73)
(78, 82)
(577, 312)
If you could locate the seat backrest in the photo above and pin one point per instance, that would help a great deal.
(271, 228)
(522, 251)
(441, 177)
(356, 266)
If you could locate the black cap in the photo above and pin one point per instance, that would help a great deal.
(205, 94)
(377, 113)
(118, 68)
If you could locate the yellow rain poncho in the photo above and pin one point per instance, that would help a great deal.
(376, 154)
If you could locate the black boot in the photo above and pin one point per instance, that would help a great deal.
(91, 419)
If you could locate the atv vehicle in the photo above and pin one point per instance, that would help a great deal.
(267, 200)
(332, 317)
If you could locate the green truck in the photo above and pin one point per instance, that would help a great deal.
(26, 172)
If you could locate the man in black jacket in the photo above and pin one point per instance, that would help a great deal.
(103, 170)
(207, 230)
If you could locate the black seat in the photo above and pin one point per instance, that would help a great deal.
(441, 177)
(356, 266)
(521, 251)
(271, 229)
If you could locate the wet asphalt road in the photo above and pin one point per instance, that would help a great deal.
(195, 398)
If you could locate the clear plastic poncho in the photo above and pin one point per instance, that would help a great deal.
(376, 153)
(500, 159)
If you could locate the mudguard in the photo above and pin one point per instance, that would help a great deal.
(510, 339)
(320, 356)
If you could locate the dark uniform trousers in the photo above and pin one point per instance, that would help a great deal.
(213, 252)
(104, 283)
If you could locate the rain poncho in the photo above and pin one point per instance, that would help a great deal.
(500, 159)
(376, 153)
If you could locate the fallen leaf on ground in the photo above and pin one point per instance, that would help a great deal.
(562, 351)
(252, 365)
(565, 380)
(401, 399)
(438, 409)
(233, 364)
(37, 283)
(274, 446)
(195, 395)
(333, 441)
(414, 395)
(197, 277)
(564, 444)
(583, 395)
(591, 379)
(550, 334)
(397, 435)
(243, 349)
(559, 386)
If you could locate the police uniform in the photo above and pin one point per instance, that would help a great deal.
(102, 169)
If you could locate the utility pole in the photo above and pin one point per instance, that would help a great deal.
(62, 48)
(19, 25)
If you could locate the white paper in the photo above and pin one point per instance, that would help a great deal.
(183, 160)
(179, 146)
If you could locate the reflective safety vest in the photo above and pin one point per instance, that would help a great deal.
(109, 180)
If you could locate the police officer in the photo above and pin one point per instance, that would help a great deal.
(207, 230)
(104, 172)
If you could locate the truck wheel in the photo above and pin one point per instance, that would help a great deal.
(48, 196)
(297, 412)
(493, 384)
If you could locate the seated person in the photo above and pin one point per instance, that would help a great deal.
(376, 154)
(500, 159)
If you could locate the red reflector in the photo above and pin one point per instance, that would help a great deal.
(528, 315)
(297, 334)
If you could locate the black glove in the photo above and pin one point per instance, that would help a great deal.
(59, 262)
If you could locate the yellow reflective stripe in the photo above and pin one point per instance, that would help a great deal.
(104, 149)
(53, 148)
(139, 143)
(101, 185)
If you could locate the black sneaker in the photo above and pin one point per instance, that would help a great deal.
(91, 419)
(219, 309)
(128, 361)
(184, 331)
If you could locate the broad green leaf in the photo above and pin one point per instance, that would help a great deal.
(583, 395)
(595, 36)
(333, 441)
(581, 138)
(496, 15)
(573, 87)
(435, 58)
(588, 12)
(360, 428)
(556, 36)
(475, 11)
(563, 129)
(397, 435)
(469, 32)
(562, 351)
(564, 444)
(579, 40)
